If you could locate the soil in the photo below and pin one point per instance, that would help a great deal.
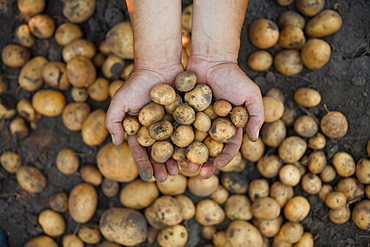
(344, 84)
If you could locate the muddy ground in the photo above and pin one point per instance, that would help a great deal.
(344, 84)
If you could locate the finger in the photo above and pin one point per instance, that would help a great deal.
(256, 113)
(230, 150)
(160, 172)
(207, 169)
(113, 120)
(141, 157)
(193, 167)
(172, 167)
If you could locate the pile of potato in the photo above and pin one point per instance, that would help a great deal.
(296, 44)
(231, 210)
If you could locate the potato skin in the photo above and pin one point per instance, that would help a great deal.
(31, 179)
(334, 124)
(93, 129)
(325, 23)
(42, 26)
(263, 33)
(309, 7)
(292, 149)
(185, 81)
(222, 130)
(291, 18)
(75, 114)
(30, 77)
(288, 62)
(315, 53)
(120, 40)
(81, 72)
(163, 94)
(361, 215)
(307, 97)
(240, 232)
(273, 109)
(200, 97)
(41, 241)
(31, 7)
(15, 55)
(77, 11)
(150, 114)
(82, 202)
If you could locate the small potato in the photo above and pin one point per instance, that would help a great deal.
(317, 162)
(10, 161)
(59, 202)
(120, 41)
(161, 151)
(186, 18)
(291, 18)
(239, 116)
(31, 7)
(252, 151)
(291, 232)
(200, 97)
(72, 240)
(269, 165)
(237, 164)
(361, 215)
(281, 193)
(4, 84)
(24, 36)
(363, 171)
(276, 93)
(208, 232)
(344, 164)
(317, 141)
(290, 114)
(113, 66)
(93, 130)
(203, 187)
(82, 202)
(263, 33)
(114, 86)
(328, 174)
(66, 33)
(220, 195)
(90, 174)
(306, 240)
(297, 209)
(168, 210)
(163, 94)
(240, 232)
(170, 108)
(31, 179)
(202, 122)
(292, 37)
(214, 147)
(75, 114)
(210, 112)
(219, 239)
(258, 188)
(78, 48)
(52, 223)
(42, 26)
(79, 94)
(222, 108)
(336, 200)
(81, 72)
(334, 124)
(89, 233)
(199, 136)
(273, 133)
(41, 241)
(266, 208)
(150, 114)
(238, 207)
(173, 236)
(351, 187)
(131, 125)
(78, 11)
(307, 97)
(197, 153)
(208, 213)
(315, 53)
(311, 183)
(234, 182)
(268, 228)
(55, 75)
(103, 48)
(340, 215)
(184, 114)
(179, 154)
(326, 189)
(260, 60)
(110, 187)
(274, 109)
(15, 55)
(99, 90)
(18, 128)
(30, 77)
(152, 218)
(187, 206)
(185, 81)
(309, 7)
(98, 60)
(144, 138)
(292, 149)
(325, 23)
(288, 62)
(222, 130)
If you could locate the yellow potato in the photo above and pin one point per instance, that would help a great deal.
(240, 232)
(325, 23)
(15, 55)
(361, 215)
(173, 236)
(120, 40)
(59, 202)
(307, 97)
(292, 149)
(41, 241)
(42, 26)
(55, 75)
(291, 37)
(81, 72)
(288, 62)
(75, 114)
(334, 124)
(208, 213)
(66, 33)
(10, 161)
(31, 7)
(30, 78)
(82, 202)
(77, 48)
(112, 66)
(93, 129)
(273, 108)
(99, 90)
(315, 53)
(52, 223)
(263, 33)
(309, 7)
(238, 207)
(291, 18)
(31, 179)
(78, 11)
(24, 36)
(252, 151)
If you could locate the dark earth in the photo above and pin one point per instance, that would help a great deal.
(344, 84)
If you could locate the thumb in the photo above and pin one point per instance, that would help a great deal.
(113, 120)
(256, 113)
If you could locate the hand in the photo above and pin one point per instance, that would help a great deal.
(129, 99)
(228, 82)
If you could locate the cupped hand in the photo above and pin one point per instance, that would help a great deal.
(229, 82)
(129, 99)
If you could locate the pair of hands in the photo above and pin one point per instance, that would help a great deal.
(227, 81)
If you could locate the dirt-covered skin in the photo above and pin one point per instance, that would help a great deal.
(343, 83)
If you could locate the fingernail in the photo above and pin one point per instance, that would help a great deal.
(113, 139)
(257, 133)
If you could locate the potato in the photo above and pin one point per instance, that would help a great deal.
(311, 183)
(78, 11)
(309, 7)
(153, 219)
(220, 195)
(79, 94)
(18, 128)
(328, 174)
(110, 187)
(161, 151)
(238, 207)
(170, 108)
(26, 110)
(281, 193)
(263, 33)
(200, 97)
(344, 164)
(292, 37)
(174, 185)
(258, 188)
(260, 60)
(222, 130)
(202, 122)
(15, 55)
(208, 213)
(42, 26)
(58, 202)
(31, 7)
(75, 114)
(163, 94)
(317, 162)
(93, 130)
(113, 66)
(214, 147)
(363, 171)
(99, 90)
(187, 206)
(55, 75)
(199, 136)
(138, 194)
(81, 72)
(237, 164)
(120, 40)
(222, 108)
(326, 189)
(239, 116)
(184, 114)
(186, 18)
(292, 149)
(273, 109)
(168, 210)
(291, 232)
(185, 81)
(361, 215)
(265, 208)
(252, 151)
(290, 114)
(114, 86)
(296, 209)
(90, 174)
(151, 113)
(240, 232)
(41, 241)
(317, 141)
(78, 48)
(31, 179)
(52, 223)
(234, 182)
(291, 18)
(10, 161)
(72, 240)
(219, 239)
(131, 125)
(30, 76)
(24, 36)
(98, 60)
(208, 232)
(288, 62)
(124, 226)
(307, 97)
(269, 165)
(144, 138)
(197, 153)
(351, 187)
(306, 240)
(315, 53)
(284, 2)
(82, 202)
(178, 154)
(203, 187)
(273, 133)
(340, 215)
(89, 233)
(335, 200)
(127, 71)
(66, 33)
(325, 23)
(334, 124)
(172, 236)
(117, 163)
